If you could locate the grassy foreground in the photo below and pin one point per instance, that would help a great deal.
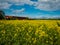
(29, 32)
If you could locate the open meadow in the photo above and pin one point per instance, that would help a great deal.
(29, 32)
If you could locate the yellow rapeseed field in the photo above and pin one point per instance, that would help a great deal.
(29, 32)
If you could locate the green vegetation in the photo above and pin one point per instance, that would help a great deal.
(2, 14)
(29, 32)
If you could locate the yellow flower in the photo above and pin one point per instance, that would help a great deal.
(47, 41)
(33, 38)
(34, 41)
(3, 31)
(15, 35)
(51, 38)
(42, 33)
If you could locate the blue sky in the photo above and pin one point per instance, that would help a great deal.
(31, 8)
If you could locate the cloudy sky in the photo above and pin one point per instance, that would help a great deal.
(31, 8)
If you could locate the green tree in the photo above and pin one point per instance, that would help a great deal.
(2, 14)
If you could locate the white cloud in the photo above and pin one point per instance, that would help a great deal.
(49, 5)
(46, 16)
(42, 0)
(5, 5)
(20, 2)
(18, 11)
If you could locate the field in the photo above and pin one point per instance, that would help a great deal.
(29, 32)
